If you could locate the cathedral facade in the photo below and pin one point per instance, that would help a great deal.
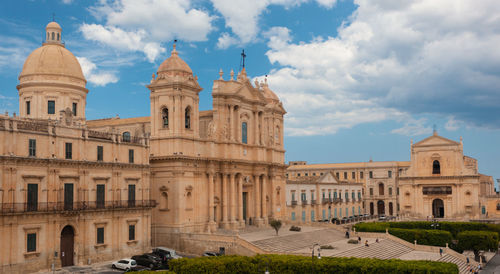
(76, 191)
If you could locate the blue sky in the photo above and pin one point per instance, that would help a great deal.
(359, 79)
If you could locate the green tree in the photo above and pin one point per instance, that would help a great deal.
(477, 241)
(276, 224)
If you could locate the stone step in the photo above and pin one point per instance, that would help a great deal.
(385, 249)
(462, 266)
(298, 241)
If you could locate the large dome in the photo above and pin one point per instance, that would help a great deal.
(52, 59)
(174, 63)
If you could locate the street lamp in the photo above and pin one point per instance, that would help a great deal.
(316, 245)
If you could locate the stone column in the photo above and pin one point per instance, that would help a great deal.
(240, 201)
(258, 193)
(263, 201)
(255, 128)
(232, 199)
(271, 195)
(224, 200)
(211, 205)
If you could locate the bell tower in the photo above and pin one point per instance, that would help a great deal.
(174, 105)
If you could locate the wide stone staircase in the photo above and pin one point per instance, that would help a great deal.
(462, 266)
(384, 249)
(290, 243)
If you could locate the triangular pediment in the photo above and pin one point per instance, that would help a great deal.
(248, 92)
(436, 140)
(328, 178)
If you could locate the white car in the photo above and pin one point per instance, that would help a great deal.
(124, 264)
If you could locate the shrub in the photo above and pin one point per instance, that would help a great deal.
(477, 241)
(289, 264)
(352, 241)
(423, 237)
(371, 227)
(276, 224)
(294, 228)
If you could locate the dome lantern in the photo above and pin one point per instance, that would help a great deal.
(53, 33)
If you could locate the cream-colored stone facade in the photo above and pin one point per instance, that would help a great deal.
(74, 191)
(379, 181)
(69, 195)
(443, 183)
(310, 199)
(438, 182)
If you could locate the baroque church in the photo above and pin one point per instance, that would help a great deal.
(76, 191)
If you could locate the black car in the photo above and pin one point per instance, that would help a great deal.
(149, 260)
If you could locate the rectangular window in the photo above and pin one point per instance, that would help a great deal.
(131, 232)
(51, 107)
(99, 153)
(298, 174)
(293, 216)
(69, 150)
(68, 196)
(354, 175)
(100, 195)
(131, 156)
(361, 174)
(345, 175)
(371, 174)
(32, 147)
(293, 196)
(100, 235)
(28, 107)
(32, 197)
(307, 174)
(31, 242)
(390, 191)
(74, 108)
(389, 174)
(303, 196)
(371, 191)
(337, 175)
(131, 195)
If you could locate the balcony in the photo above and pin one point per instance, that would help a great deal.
(326, 200)
(336, 200)
(294, 203)
(313, 202)
(304, 202)
(59, 207)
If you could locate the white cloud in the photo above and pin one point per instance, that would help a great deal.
(242, 16)
(67, 2)
(142, 25)
(452, 124)
(414, 128)
(393, 61)
(98, 78)
(7, 104)
(226, 40)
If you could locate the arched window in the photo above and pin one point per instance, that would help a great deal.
(244, 139)
(126, 136)
(187, 117)
(436, 168)
(53, 36)
(164, 117)
(381, 189)
(57, 36)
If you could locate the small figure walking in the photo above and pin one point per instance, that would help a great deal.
(376, 240)
(366, 243)
(441, 252)
(359, 239)
(347, 234)
(468, 260)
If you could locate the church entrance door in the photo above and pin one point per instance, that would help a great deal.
(438, 208)
(67, 245)
(245, 199)
(380, 208)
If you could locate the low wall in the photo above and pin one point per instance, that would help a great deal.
(197, 243)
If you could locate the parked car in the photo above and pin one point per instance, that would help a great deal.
(167, 252)
(124, 264)
(148, 260)
(345, 220)
(210, 254)
(382, 217)
(334, 220)
(366, 215)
